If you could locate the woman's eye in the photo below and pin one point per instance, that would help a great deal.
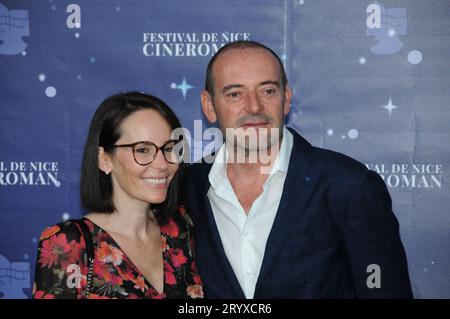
(142, 150)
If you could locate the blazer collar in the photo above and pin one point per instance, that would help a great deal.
(299, 184)
(208, 219)
(298, 187)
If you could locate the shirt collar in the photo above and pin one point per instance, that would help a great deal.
(218, 170)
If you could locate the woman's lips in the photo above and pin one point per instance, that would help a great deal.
(155, 182)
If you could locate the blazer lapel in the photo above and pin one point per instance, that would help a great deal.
(208, 219)
(298, 187)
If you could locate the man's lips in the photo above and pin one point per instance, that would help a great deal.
(253, 124)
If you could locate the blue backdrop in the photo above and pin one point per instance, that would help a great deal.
(371, 79)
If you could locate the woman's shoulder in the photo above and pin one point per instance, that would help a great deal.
(68, 230)
(179, 223)
(183, 216)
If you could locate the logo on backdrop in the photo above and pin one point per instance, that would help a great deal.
(73, 20)
(181, 44)
(386, 25)
(410, 175)
(29, 173)
(14, 277)
(13, 26)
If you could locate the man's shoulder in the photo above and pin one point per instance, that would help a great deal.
(199, 168)
(329, 159)
(326, 159)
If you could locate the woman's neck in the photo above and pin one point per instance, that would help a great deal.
(131, 218)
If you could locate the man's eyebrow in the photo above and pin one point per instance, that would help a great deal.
(276, 83)
(231, 86)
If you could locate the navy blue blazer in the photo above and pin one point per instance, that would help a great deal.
(334, 220)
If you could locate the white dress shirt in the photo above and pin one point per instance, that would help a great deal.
(244, 236)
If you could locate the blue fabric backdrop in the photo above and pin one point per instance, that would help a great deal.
(370, 79)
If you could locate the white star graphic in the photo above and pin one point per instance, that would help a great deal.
(390, 107)
(183, 87)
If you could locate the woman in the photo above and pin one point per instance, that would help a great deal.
(141, 239)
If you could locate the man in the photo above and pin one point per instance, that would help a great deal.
(305, 222)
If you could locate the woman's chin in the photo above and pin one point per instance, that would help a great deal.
(156, 198)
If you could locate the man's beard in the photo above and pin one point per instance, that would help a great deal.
(253, 140)
(251, 145)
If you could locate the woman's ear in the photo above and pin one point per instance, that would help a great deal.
(104, 162)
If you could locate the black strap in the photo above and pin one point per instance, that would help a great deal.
(86, 233)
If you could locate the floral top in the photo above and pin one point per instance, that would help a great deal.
(61, 266)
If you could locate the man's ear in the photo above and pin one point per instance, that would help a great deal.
(287, 100)
(104, 162)
(208, 107)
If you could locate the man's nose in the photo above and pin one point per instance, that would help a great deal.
(254, 105)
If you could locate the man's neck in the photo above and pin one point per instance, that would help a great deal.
(251, 169)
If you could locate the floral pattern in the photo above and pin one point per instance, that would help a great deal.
(61, 267)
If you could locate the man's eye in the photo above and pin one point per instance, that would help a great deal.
(270, 91)
(233, 94)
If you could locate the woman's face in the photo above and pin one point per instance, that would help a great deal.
(146, 184)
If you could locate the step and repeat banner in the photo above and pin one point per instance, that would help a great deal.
(371, 79)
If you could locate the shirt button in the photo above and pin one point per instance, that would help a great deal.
(245, 233)
(249, 273)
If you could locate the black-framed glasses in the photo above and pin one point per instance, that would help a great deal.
(144, 152)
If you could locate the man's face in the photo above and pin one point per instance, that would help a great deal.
(248, 93)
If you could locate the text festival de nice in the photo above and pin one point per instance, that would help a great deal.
(29, 173)
(410, 175)
(191, 44)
